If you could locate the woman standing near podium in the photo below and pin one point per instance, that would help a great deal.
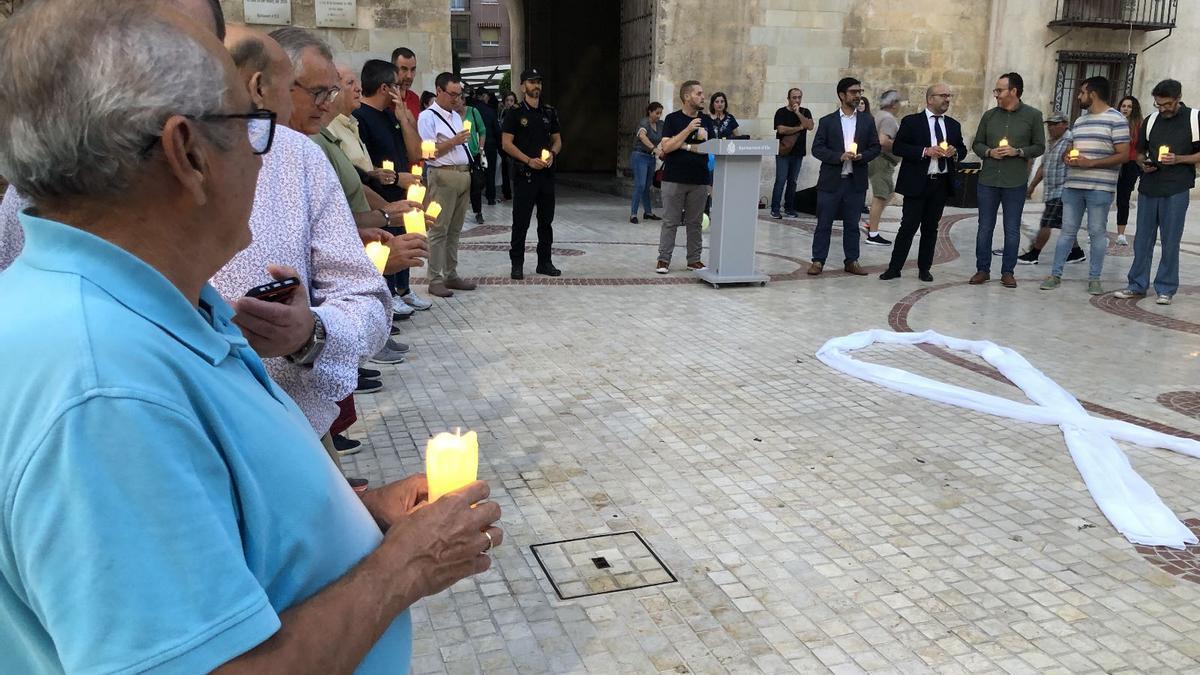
(643, 159)
(725, 124)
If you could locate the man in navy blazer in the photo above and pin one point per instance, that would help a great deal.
(845, 143)
(930, 145)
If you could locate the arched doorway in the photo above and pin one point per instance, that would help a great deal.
(596, 59)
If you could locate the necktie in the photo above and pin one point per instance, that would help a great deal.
(937, 134)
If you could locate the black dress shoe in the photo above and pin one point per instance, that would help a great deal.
(889, 274)
(517, 273)
(479, 218)
(924, 275)
(549, 270)
(369, 373)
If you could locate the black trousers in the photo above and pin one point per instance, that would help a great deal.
(921, 213)
(489, 174)
(532, 189)
(1126, 180)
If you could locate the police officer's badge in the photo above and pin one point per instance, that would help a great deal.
(524, 121)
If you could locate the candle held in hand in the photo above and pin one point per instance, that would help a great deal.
(428, 150)
(434, 210)
(545, 155)
(388, 165)
(1073, 154)
(451, 462)
(417, 170)
(416, 193)
(378, 253)
(466, 125)
(1163, 150)
(414, 222)
(1003, 143)
(944, 145)
(853, 149)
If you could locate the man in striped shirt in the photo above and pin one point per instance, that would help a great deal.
(1100, 144)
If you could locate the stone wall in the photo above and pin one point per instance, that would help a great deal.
(421, 25)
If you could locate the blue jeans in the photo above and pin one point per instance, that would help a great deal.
(844, 204)
(1075, 202)
(990, 199)
(787, 171)
(1155, 215)
(642, 165)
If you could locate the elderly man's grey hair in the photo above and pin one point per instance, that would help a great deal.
(87, 87)
(889, 98)
(295, 40)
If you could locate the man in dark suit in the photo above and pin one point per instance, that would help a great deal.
(930, 144)
(845, 143)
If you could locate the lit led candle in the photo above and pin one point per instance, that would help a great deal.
(1003, 143)
(414, 222)
(417, 170)
(428, 149)
(944, 145)
(1163, 150)
(545, 155)
(853, 149)
(434, 210)
(466, 125)
(1073, 154)
(416, 193)
(451, 462)
(388, 165)
(378, 253)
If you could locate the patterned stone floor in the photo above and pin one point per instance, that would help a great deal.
(814, 523)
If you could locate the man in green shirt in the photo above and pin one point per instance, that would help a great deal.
(1009, 137)
(474, 146)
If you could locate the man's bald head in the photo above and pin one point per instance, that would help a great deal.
(264, 68)
(207, 13)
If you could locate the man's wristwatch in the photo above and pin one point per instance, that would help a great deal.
(307, 355)
(387, 218)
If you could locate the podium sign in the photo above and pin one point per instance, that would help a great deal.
(734, 218)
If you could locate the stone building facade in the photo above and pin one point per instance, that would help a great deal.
(605, 60)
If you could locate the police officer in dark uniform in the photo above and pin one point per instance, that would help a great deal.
(531, 137)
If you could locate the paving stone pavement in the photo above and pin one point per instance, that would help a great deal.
(815, 523)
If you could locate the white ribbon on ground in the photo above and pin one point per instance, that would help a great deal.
(1127, 500)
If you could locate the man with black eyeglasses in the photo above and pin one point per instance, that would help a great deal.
(449, 179)
(1168, 149)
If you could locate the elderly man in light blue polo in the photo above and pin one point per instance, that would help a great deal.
(166, 507)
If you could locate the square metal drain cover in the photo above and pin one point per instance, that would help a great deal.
(602, 563)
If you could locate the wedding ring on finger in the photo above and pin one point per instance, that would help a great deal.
(491, 542)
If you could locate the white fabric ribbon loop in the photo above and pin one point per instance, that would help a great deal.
(1127, 500)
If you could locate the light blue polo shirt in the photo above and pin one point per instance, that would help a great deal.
(163, 501)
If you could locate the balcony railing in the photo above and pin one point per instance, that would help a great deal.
(1144, 15)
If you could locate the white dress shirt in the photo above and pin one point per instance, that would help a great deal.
(300, 219)
(933, 141)
(849, 127)
(433, 129)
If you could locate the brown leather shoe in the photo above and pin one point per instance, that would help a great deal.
(439, 289)
(460, 284)
(855, 269)
(1008, 281)
(816, 268)
(979, 278)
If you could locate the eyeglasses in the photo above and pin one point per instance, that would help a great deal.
(997, 91)
(321, 95)
(260, 128)
(1166, 106)
(453, 95)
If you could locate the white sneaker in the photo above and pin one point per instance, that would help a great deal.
(662, 267)
(415, 301)
(400, 307)
(1163, 300)
(1121, 240)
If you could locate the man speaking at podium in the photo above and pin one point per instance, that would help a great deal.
(685, 176)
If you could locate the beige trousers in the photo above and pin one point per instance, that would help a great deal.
(451, 189)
